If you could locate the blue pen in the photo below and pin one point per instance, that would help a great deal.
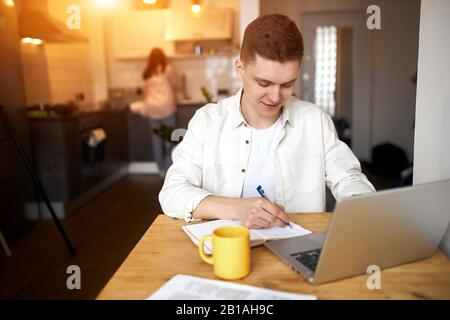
(262, 194)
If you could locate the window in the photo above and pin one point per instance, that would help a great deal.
(325, 68)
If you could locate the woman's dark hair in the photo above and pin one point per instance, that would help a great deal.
(155, 59)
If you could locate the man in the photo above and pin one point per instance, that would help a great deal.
(261, 136)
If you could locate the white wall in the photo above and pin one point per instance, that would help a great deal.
(78, 67)
(55, 72)
(213, 72)
(431, 148)
(393, 62)
(35, 74)
(249, 11)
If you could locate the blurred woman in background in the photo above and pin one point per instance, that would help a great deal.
(159, 104)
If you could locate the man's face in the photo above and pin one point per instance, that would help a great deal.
(267, 85)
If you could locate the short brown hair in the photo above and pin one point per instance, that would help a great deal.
(274, 37)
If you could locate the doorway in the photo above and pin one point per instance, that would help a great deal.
(335, 73)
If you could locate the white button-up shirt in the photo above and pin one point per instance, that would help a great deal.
(212, 159)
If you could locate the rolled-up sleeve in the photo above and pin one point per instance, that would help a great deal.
(343, 170)
(182, 192)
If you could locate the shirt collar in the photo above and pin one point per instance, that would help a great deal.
(237, 119)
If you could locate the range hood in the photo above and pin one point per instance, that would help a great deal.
(212, 25)
(40, 25)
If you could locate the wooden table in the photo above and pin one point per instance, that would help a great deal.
(165, 250)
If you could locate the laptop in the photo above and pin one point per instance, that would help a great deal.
(385, 229)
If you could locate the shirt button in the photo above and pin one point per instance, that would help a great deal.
(247, 142)
(245, 125)
(243, 170)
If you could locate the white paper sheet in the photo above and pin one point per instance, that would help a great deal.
(183, 287)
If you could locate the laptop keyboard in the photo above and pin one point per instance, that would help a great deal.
(308, 258)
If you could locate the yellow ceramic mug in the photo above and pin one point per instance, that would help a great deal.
(231, 252)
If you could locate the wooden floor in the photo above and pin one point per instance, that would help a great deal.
(103, 233)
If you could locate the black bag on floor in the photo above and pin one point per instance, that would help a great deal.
(389, 159)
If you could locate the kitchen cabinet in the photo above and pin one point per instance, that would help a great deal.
(214, 24)
(139, 131)
(68, 167)
(185, 113)
(140, 146)
(133, 34)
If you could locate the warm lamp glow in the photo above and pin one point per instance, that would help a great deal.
(36, 42)
(149, 1)
(196, 8)
(33, 41)
(9, 3)
(105, 3)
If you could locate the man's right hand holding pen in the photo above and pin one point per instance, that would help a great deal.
(253, 212)
(258, 213)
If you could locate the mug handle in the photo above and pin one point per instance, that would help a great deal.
(203, 255)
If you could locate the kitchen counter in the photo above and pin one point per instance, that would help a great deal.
(139, 130)
(76, 115)
(190, 103)
(72, 170)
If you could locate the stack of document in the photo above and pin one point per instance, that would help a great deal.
(182, 287)
(257, 236)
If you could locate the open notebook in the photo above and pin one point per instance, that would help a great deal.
(257, 236)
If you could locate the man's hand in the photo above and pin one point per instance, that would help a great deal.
(255, 213)
(258, 213)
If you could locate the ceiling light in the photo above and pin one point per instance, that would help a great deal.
(149, 1)
(36, 42)
(196, 7)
